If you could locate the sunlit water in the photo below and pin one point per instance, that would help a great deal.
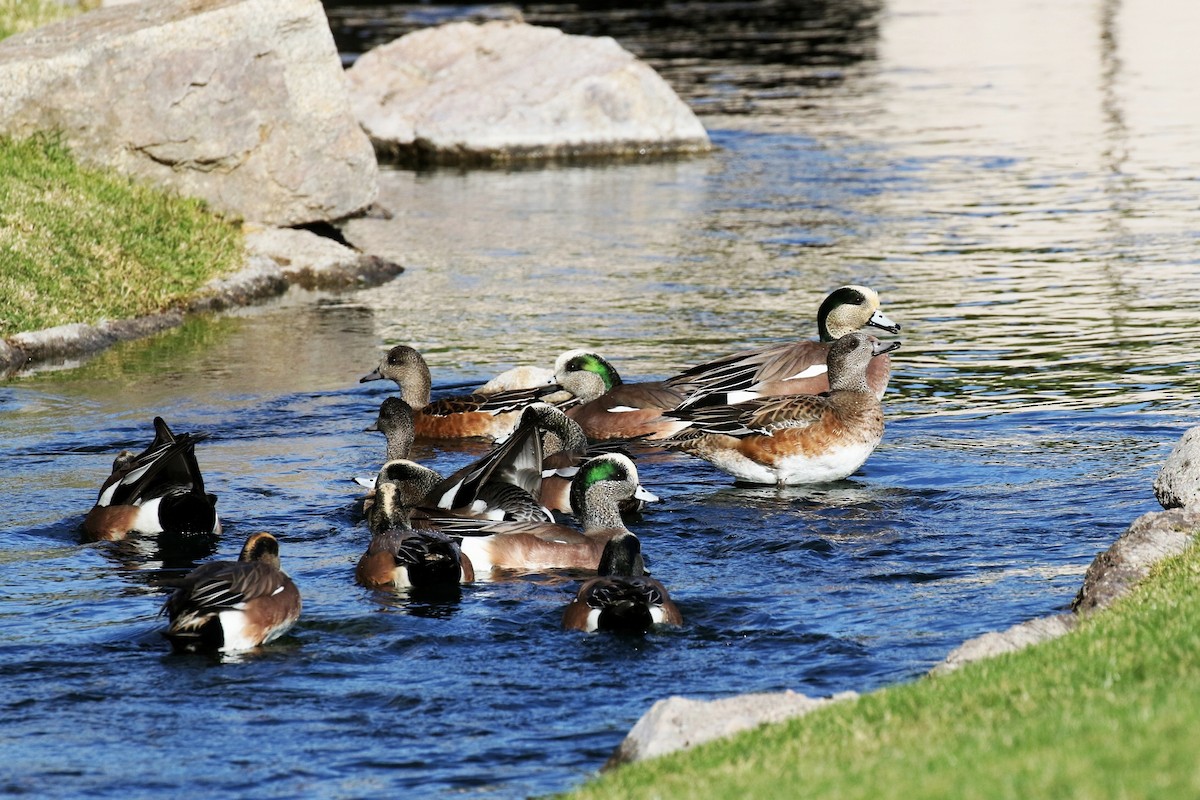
(1018, 180)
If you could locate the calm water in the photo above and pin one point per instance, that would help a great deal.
(1017, 180)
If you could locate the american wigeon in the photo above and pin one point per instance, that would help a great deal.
(792, 367)
(399, 557)
(395, 422)
(423, 491)
(622, 597)
(597, 491)
(795, 439)
(606, 407)
(474, 415)
(226, 606)
(159, 490)
(564, 448)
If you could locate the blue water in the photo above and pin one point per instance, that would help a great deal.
(1046, 279)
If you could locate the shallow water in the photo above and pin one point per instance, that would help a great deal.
(1027, 212)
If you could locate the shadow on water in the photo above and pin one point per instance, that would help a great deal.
(1035, 239)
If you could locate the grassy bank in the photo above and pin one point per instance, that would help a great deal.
(83, 245)
(1108, 711)
(23, 15)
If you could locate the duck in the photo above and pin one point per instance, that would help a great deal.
(400, 557)
(622, 597)
(159, 490)
(597, 491)
(230, 606)
(790, 368)
(605, 406)
(491, 416)
(395, 422)
(797, 439)
(564, 448)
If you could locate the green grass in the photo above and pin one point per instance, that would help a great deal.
(1112, 710)
(84, 245)
(22, 15)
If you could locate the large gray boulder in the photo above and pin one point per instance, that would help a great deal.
(465, 93)
(1178, 482)
(240, 102)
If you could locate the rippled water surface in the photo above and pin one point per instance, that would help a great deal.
(1017, 180)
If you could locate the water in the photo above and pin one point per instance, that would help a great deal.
(1018, 182)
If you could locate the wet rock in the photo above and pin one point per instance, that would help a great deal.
(1015, 638)
(1178, 482)
(1151, 538)
(240, 102)
(477, 94)
(315, 262)
(678, 723)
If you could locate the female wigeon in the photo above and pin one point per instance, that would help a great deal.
(395, 422)
(796, 439)
(597, 491)
(399, 557)
(226, 606)
(792, 367)
(474, 415)
(622, 597)
(159, 490)
(606, 407)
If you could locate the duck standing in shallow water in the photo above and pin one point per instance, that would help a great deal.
(159, 490)
(490, 416)
(622, 597)
(792, 367)
(226, 606)
(797, 439)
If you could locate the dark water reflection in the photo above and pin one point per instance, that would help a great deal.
(1035, 235)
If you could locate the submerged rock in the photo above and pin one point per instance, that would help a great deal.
(464, 93)
(1018, 637)
(240, 102)
(1178, 482)
(678, 723)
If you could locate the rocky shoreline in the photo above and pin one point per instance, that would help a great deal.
(678, 723)
(276, 260)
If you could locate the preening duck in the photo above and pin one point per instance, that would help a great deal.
(159, 490)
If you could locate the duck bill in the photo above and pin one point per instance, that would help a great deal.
(373, 375)
(374, 426)
(640, 493)
(881, 321)
(879, 348)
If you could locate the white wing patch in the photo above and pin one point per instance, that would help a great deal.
(622, 409)
(733, 398)
(810, 372)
